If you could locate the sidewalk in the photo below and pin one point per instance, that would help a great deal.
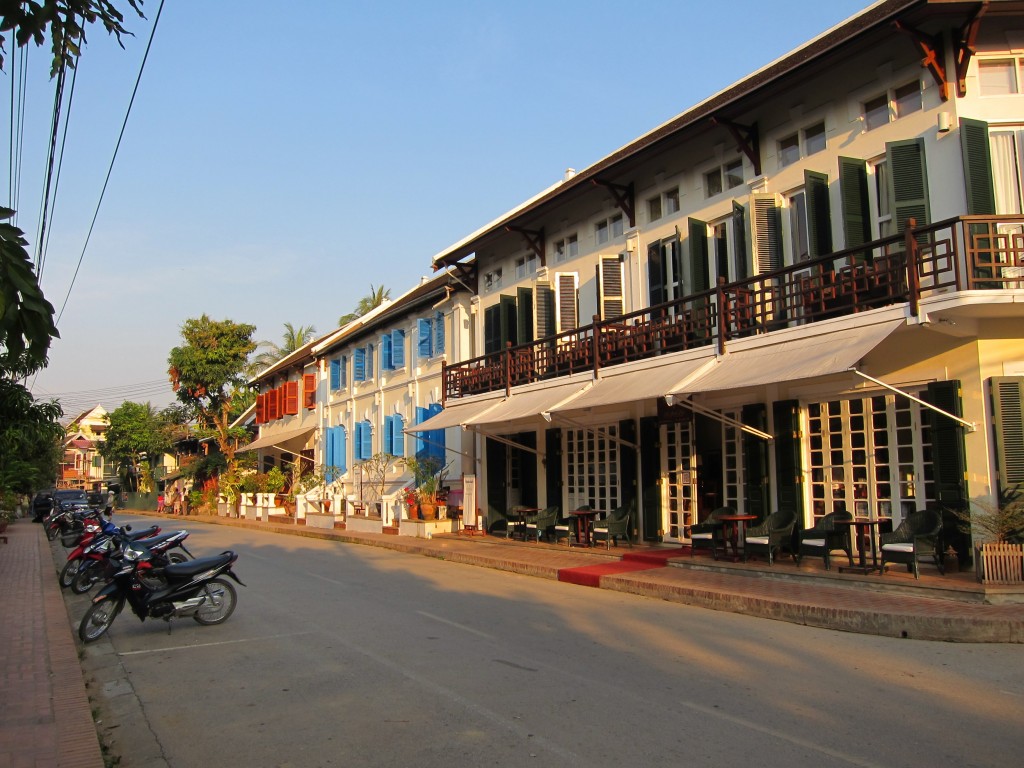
(45, 718)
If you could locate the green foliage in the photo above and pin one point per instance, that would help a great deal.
(292, 340)
(367, 304)
(138, 435)
(31, 438)
(66, 21)
(275, 480)
(1002, 521)
(428, 477)
(26, 317)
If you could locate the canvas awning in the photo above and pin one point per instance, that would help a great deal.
(535, 402)
(803, 358)
(276, 439)
(635, 384)
(458, 413)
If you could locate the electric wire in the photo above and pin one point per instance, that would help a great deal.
(44, 243)
(110, 168)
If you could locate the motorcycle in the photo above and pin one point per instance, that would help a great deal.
(104, 558)
(93, 531)
(69, 523)
(195, 588)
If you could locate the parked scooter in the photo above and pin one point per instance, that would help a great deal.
(104, 558)
(196, 588)
(104, 530)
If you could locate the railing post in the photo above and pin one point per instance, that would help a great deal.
(722, 317)
(913, 259)
(444, 382)
(508, 368)
(594, 345)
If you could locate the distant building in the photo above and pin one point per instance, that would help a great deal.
(82, 464)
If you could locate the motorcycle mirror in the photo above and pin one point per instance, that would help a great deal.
(127, 528)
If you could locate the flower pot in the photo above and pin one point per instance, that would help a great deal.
(428, 511)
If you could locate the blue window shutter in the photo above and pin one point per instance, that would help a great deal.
(439, 333)
(367, 440)
(424, 339)
(335, 374)
(340, 450)
(386, 360)
(435, 448)
(389, 433)
(344, 371)
(397, 436)
(357, 441)
(359, 365)
(398, 349)
(422, 414)
(369, 362)
(329, 451)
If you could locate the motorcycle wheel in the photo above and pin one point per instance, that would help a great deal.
(220, 602)
(97, 620)
(177, 557)
(86, 578)
(69, 571)
(52, 531)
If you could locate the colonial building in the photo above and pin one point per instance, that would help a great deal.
(82, 465)
(804, 292)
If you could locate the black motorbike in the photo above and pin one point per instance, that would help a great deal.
(103, 558)
(195, 588)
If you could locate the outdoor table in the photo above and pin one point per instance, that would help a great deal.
(735, 527)
(865, 528)
(586, 517)
(517, 520)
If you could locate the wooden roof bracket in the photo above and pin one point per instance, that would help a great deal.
(747, 138)
(964, 43)
(933, 56)
(534, 241)
(465, 273)
(625, 197)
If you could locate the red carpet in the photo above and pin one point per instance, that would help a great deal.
(590, 575)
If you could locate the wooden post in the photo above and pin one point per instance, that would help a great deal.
(723, 318)
(913, 259)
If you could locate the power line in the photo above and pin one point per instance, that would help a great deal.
(110, 169)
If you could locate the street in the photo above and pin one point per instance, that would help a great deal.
(351, 655)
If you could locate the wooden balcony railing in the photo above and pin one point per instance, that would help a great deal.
(964, 253)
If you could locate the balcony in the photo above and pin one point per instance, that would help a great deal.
(966, 253)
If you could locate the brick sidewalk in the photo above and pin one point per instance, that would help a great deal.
(45, 719)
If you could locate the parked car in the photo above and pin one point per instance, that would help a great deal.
(68, 498)
(97, 500)
(42, 503)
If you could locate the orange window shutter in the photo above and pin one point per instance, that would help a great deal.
(280, 402)
(271, 405)
(291, 398)
(260, 408)
(309, 390)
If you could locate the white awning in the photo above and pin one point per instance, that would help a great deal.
(457, 413)
(636, 384)
(535, 402)
(804, 358)
(276, 439)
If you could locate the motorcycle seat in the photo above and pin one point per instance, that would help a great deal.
(200, 564)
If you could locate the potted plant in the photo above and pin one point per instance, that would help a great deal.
(1000, 558)
(429, 476)
(275, 482)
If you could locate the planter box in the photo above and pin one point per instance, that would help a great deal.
(320, 520)
(362, 523)
(425, 529)
(1000, 563)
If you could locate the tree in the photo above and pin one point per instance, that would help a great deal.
(367, 304)
(292, 339)
(31, 439)
(138, 438)
(66, 21)
(207, 373)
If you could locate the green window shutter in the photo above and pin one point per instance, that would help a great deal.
(567, 301)
(739, 239)
(949, 463)
(755, 461)
(1007, 393)
(509, 323)
(524, 315)
(766, 232)
(545, 310)
(650, 474)
(610, 279)
(853, 188)
(819, 213)
(553, 466)
(700, 275)
(492, 329)
(908, 178)
(977, 153)
(786, 416)
(655, 274)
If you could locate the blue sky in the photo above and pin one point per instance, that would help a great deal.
(281, 157)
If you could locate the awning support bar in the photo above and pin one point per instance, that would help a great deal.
(439, 445)
(971, 426)
(728, 420)
(599, 432)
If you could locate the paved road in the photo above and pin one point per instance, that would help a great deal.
(351, 655)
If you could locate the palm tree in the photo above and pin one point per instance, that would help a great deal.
(367, 304)
(292, 339)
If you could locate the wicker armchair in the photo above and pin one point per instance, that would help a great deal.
(539, 525)
(916, 537)
(711, 533)
(825, 537)
(771, 536)
(615, 526)
(565, 527)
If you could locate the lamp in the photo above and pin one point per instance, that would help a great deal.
(945, 121)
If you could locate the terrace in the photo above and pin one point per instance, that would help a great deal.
(966, 253)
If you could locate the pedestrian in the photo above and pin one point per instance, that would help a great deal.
(176, 501)
(109, 509)
(160, 502)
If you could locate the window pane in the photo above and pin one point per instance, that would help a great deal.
(814, 139)
(907, 99)
(602, 232)
(671, 201)
(654, 208)
(798, 226)
(876, 112)
(617, 228)
(996, 77)
(789, 150)
(713, 182)
(572, 247)
(734, 174)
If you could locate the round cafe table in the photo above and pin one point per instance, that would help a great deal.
(584, 522)
(735, 527)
